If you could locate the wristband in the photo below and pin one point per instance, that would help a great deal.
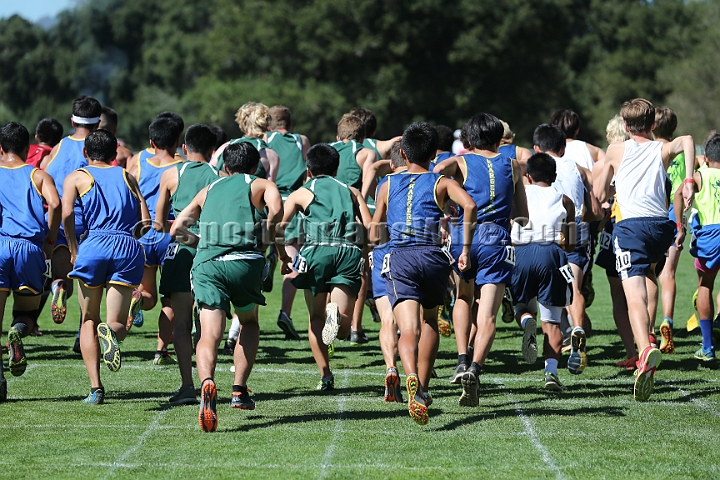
(680, 226)
(688, 180)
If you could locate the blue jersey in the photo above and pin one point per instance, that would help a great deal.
(21, 205)
(148, 177)
(489, 181)
(413, 214)
(509, 150)
(109, 205)
(442, 156)
(68, 158)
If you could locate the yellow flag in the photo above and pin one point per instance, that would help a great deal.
(692, 323)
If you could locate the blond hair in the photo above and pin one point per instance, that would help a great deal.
(508, 135)
(615, 130)
(253, 119)
(350, 127)
(639, 115)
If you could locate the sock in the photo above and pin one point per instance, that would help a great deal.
(471, 352)
(327, 379)
(551, 365)
(578, 329)
(706, 329)
(239, 389)
(463, 359)
(22, 329)
(476, 368)
(93, 390)
(234, 332)
(524, 320)
(668, 320)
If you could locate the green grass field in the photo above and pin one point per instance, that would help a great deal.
(592, 430)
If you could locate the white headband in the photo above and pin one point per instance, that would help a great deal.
(85, 121)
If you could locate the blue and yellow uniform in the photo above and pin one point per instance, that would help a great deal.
(377, 258)
(489, 181)
(441, 157)
(418, 267)
(109, 254)
(22, 231)
(154, 243)
(68, 158)
(509, 150)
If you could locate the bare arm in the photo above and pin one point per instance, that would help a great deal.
(362, 207)
(48, 158)
(519, 197)
(305, 146)
(523, 155)
(603, 173)
(51, 198)
(593, 208)
(144, 213)
(265, 194)
(670, 150)
(218, 152)
(271, 161)
(384, 146)
(295, 202)
(191, 214)
(131, 165)
(168, 185)
(70, 194)
(457, 194)
(451, 168)
(378, 227)
(377, 169)
(569, 228)
(123, 156)
(596, 153)
(366, 158)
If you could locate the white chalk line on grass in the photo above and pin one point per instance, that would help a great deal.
(120, 462)
(531, 432)
(337, 431)
(698, 403)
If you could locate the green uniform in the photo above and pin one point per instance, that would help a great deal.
(349, 172)
(331, 254)
(676, 172)
(227, 267)
(371, 143)
(707, 200)
(175, 273)
(291, 173)
(258, 143)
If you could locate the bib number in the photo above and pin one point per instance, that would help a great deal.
(385, 265)
(567, 274)
(48, 269)
(510, 256)
(622, 261)
(605, 241)
(300, 264)
(371, 260)
(171, 251)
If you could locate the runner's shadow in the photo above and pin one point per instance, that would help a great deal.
(351, 416)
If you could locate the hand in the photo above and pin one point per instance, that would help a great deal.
(679, 239)
(463, 262)
(688, 191)
(285, 268)
(73, 257)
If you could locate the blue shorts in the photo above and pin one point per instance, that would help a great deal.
(580, 257)
(542, 271)
(109, 259)
(606, 257)
(491, 256)
(22, 266)
(155, 245)
(418, 273)
(376, 257)
(62, 239)
(705, 245)
(639, 243)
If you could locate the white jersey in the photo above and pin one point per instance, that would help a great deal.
(640, 181)
(569, 182)
(547, 215)
(577, 150)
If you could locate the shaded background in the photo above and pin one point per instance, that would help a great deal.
(407, 60)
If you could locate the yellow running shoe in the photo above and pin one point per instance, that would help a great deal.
(416, 404)
(109, 348)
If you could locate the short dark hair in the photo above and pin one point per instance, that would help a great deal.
(484, 131)
(108, 119)
(86, 107)
(14, 138)
(174, 116)
(50, 131)
(445, 137)
(200, 139)
(665, 123)
(280, 117)
(549, 138)
(164, 133)
(368, 118)
(220, 135)
(419, 142)
(541, 168)
(567, 120)
(322, 159)
(712, 149)
(101, 145)
(241, 157)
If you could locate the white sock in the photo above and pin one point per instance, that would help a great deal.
(234, 332)
(551, 365)
(523, 320)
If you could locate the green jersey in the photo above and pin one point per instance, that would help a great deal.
(291, 172)
(349, 171)
(676, 173)
(258, 143)
(330, 217)
(707, 200)
(371, 143)
(226, 230)
(192, 177)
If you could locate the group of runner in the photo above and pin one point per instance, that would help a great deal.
(422, 235)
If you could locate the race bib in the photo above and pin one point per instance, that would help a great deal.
(510, 255)
(371, 260)
(171, 251)
(446, 251)
(605, 241)
(386, 265)
(48, 269)
(300, 264)
(567, 273)
(622, 261)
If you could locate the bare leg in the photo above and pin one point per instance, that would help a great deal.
(667, 282)
(316, 313)
(90, 299)
(288, 290)
(428, 347)
(148, 288)
(61, 266)
(462, 314)
(620, 315)
(166, 325)
(388, 331)
(117, 305)
(346, 301)
(553, 340)
(490, 298)
(407, 316)
(360, 302)
(636, 295)
(577, 307)
(247, 346)
(212, 325)
(652, 295)
(182, 305)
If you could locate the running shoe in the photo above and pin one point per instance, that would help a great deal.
(286, 325)
(566, 346)
(109, 348)
(242, 400)
(694, 300)
(229, 346)
(358, 338)
(184, 396)
(552, 382)
(444, 327)
(370, 303)
(578, 358)
(326, 385)
(705, 355)
(196, 330)
(416, 404)
(76, 346)
(457, 375)
(508, 312)
(628, 363)
(332, 323)
(207, 417)
(331, 350)
(58, 307)
(667, 345)
(427, 398)
(529, 342)
(16, 352)
(393, 392)
(135, 316)
(95, 398)
(3, 390)
(653, 340)
(164, 359)
(645, 373)
(469, 395)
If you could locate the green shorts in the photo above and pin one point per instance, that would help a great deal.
(175, 271)
(217, 283)
(319, 268)
(295, 231)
